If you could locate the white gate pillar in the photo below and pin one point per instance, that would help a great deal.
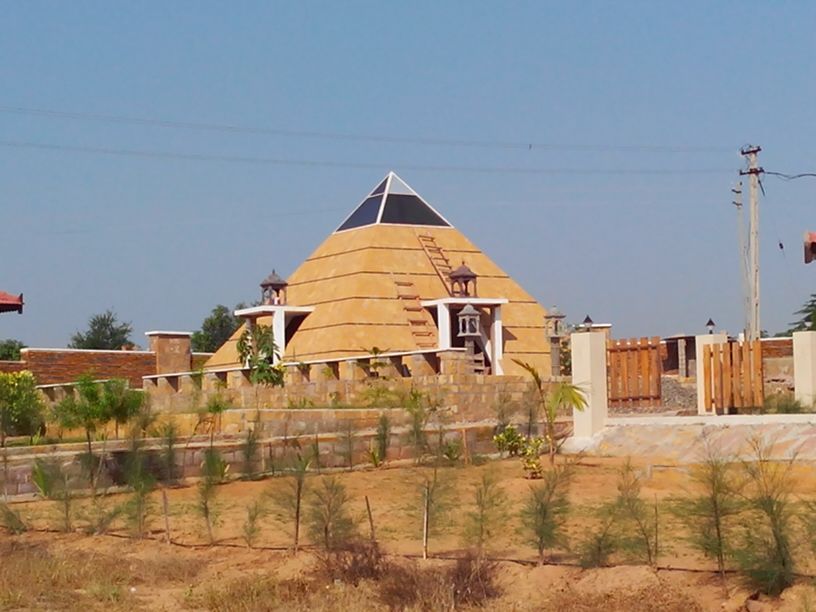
(700, 342)
(804, 367)
(589, 374)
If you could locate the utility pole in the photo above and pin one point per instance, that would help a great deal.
(743, 257)
(753, 171)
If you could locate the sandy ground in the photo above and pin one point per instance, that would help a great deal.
(684, 582)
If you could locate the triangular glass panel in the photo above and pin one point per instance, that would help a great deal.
(409, 210)
(365, 214)
(399, 186)
(380, 188)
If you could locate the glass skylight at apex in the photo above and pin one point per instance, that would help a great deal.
(393, 202)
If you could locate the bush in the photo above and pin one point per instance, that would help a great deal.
(21, 408)
(485, 519)
(638, 521)
(509, 441)
(596, 549)
(352, 562)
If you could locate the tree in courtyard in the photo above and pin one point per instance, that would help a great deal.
(121, 403)
(215, 330)
(85, 409)
(105, 332)
(552, 398)
(21, 407)
(10, 349)
(257, 350)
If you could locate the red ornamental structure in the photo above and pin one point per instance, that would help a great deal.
(11, 303)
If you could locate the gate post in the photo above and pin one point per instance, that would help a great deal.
(700, 342)
(804, 367)
(589, 374)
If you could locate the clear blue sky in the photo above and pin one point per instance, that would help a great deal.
(594, 228)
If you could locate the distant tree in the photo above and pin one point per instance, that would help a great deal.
(215, 330)
(121, 403)
(104, 332)
(807, 316)
(10, 350)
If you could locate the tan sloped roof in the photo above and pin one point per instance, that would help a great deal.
(353, 281)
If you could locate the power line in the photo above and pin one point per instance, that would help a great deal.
(340, 136)
(241, 159)
(790, 177)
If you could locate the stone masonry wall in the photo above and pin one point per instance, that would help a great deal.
(336, 450)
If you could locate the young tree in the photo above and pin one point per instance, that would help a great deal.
(553, 398)
(707, 514)
(21, 407)
(546, 509)
(484, 520)
(10, 350)
(328, 516)
(84, 409)
(215, 330)
(121, 403)
(290, 500)
(637, 520)
(766, 554)
(435, 495)
(104, 332)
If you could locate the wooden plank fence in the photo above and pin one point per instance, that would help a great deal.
(633, 372)
(732, 376)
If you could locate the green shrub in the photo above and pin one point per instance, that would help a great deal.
(509, 441)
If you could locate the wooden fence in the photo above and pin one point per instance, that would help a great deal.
(633, 372)
(732, 376)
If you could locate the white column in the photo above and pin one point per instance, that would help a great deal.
(700, 342)
(443, 325)
(497, 340)
(804, 367)
(589, 374)
(279, 333)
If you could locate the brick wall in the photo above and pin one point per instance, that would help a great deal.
(12, 366)
(54, 366)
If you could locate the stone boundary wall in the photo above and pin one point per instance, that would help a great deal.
(274, 454)
(468, 397)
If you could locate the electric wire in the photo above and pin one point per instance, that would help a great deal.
(344, 136)
(243, 159)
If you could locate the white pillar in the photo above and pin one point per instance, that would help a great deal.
(279, 334)
(700, 342)
(804, 367)
(443, 325)
(589, 374)
(497, 340)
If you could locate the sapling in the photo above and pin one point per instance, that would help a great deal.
(51, 480)
(141, 483)
(482, 523)
(213, 470)
(328, 516)
(251, 528)
(596, 548)
(638, 521)
(169, 435)
(708, 513)
(415, 406)
(435, 492)
(249, 450)
(289, 501)
(765, 555)
(546, 508)
(383, 437)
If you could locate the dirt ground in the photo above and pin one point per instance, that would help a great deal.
(190, 574)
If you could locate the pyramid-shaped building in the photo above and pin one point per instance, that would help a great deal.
(383, 279)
